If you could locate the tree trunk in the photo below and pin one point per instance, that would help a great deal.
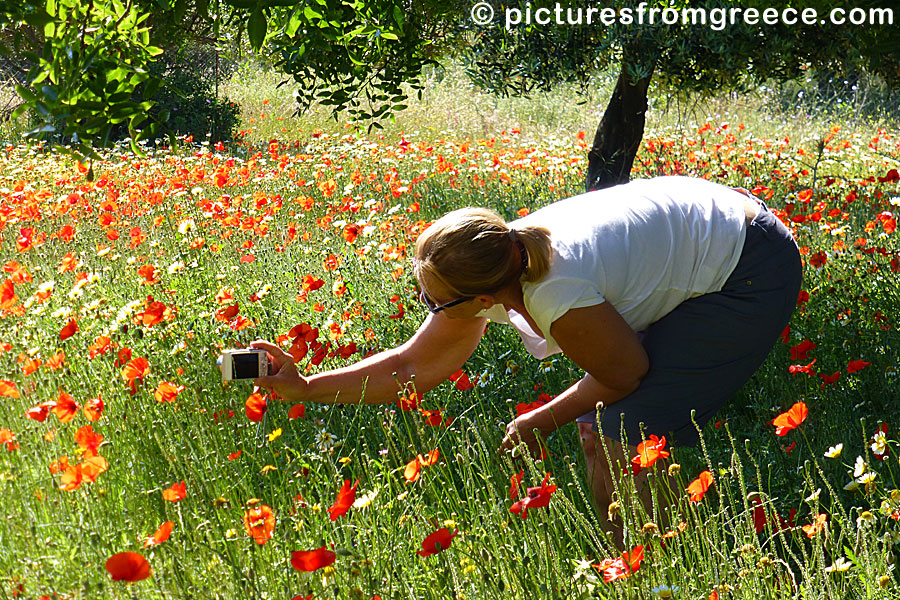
(619, 134)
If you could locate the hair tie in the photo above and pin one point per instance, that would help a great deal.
(512, 235)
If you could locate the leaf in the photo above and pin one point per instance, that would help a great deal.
(311, 15)
(38, 19)
(256, 29)
(293, 24)
(389, 36)
(26, 94)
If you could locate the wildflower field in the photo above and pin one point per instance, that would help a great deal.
(128, 469)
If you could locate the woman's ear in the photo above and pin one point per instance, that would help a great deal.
(486, 301)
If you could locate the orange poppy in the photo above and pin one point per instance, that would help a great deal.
(65, 407)
(167, 391)
(413, 467)
(93, 409)
(816, 526)
(136, 369)
(175, 493)
(128, 566)
(259, 523)
(791, 419)
(9, 438)
(649, 451)
(92, 467)
(100, 346)
(699, 486)
(8, 389)
(345, 498)
(56, 361)
(87, 439)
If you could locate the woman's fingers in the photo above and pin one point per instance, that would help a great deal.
(279, 356)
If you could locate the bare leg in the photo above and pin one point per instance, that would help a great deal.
(600, 478)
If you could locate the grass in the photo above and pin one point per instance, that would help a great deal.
(273, 216)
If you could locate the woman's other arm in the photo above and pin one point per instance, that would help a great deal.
(433, 353)
(598, 340)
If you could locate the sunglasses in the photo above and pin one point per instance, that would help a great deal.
(435, 308)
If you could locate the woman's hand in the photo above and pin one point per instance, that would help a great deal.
(520, 430)
(285, 381)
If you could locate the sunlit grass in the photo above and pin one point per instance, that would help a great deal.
(221, 230)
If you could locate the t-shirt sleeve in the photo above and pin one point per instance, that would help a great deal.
(496, 313)
(549, 300)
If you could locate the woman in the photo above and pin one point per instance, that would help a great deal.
(669, 293)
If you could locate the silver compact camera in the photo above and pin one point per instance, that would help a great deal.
(249, 363)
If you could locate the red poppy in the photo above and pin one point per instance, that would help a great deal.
(259, 523)
(433, 417)
(620, 568)
(311, 284)
(311, 560)
(128, 566)
(515, 481)
(857, 365)
(829, 379)
(297, 411)
(161, 534)
(438, 541)
(791, 419)
(522, 408)
(39, 413)
(68, 330)
(649, 451)
(801, 351)
(408, 401)
(699, 486)
(175, 493)
(807, 369)
(462, 381)
(345, 498)
(818, 259)
(255, 407)
(537, 497)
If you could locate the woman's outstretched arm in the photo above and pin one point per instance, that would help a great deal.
(433, 353)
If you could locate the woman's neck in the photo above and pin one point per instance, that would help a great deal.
(512, 297)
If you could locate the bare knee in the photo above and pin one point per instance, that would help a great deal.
(589, 439)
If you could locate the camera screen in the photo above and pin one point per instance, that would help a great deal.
(245, 366)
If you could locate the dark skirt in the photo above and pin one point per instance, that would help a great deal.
(709, 346)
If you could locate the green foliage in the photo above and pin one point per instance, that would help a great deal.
(86, 67)
(188, 95)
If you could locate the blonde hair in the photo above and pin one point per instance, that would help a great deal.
(473, 251)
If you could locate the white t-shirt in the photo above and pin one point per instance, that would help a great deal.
(645, 247)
